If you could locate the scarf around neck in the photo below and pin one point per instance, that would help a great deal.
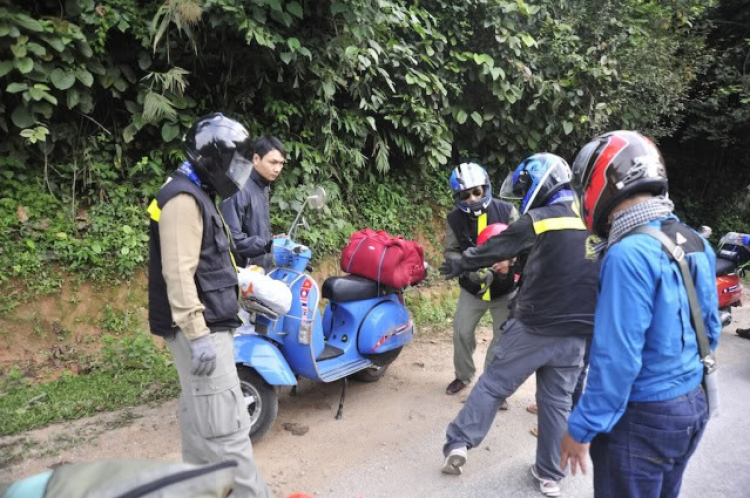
(637, 215)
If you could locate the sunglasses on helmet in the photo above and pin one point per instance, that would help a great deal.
(465, 195)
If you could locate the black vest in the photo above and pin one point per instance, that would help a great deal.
(215, 277)
(560, 282)
(464, 226)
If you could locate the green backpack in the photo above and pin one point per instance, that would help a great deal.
(127, 479)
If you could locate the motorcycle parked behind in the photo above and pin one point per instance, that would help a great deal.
(362, 331)
(732, 257)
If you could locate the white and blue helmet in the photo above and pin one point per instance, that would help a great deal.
(464, 179)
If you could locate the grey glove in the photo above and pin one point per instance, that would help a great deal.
(203, 351)
(451, 267)
(477, 277)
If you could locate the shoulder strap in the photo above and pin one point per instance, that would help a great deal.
(678, 255)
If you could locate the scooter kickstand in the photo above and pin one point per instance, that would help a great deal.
(340, 412)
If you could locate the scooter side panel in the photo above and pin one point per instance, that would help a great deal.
(265, 358)
(387, 326)
(304, 327)
(729, 288)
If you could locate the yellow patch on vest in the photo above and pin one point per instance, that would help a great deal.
(481, 225)
(591, 242)
(563, 223)
(154, 211)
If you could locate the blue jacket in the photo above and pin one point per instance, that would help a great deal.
(643, 350)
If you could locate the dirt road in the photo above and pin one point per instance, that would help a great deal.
(388, 443)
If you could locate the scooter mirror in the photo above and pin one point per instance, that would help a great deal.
(317, 198)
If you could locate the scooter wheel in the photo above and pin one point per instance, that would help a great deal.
(261, 400)
(370, 374)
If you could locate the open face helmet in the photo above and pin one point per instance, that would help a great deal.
(611, 168)
(536, 180)
(221, 153)
(471, 188)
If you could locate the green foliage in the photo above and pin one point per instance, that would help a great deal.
(374, 100)
(135, 351)
(129, 371)
(114, 320)
(437, 307)
(13, 381)
(76, 396)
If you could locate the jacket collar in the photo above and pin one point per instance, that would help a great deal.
(262, 182)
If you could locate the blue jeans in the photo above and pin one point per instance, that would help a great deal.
(646, 453)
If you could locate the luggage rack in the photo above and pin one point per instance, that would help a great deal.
(255, 307)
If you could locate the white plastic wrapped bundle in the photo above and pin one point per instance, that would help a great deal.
(273, 294)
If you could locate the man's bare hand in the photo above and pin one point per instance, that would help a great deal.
(502, 267)
(574, 452)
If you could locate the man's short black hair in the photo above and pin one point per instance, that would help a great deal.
(265, 144)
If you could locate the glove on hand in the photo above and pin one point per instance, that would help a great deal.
(451, 267)
(267, 247)
(480, 277)
(203, 351)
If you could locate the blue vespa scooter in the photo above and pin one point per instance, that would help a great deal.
(362, 331)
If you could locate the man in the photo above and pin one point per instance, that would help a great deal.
(643, 411)
(193, 296)
(475, 210)
(246, 213)
(551, 316)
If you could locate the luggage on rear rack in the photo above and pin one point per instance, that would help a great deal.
(390, 261)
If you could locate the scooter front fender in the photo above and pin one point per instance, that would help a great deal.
(258, 353)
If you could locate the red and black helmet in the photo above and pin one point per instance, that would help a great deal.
(611, 168)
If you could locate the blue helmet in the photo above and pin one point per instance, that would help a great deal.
(536, 180)
(464, 180)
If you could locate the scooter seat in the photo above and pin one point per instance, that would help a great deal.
(353, 288)
(725, 267)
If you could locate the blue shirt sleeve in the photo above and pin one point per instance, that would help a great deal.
(623, 314)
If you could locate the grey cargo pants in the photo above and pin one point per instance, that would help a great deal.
(557, 361)
(469, 312)
(214, 423)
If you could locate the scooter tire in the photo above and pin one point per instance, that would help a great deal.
(266, 400)
(380, 362)
(370, 374)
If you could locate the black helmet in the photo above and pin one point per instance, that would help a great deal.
(221, 153)
(611, 168)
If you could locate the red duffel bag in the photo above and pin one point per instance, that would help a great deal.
(391, 261)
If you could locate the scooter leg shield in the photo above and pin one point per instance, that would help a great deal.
(387, 326)
(265, 358)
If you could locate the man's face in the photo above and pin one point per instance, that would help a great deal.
(270, 165)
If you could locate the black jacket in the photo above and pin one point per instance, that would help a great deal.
(215, 277)
(464, 227)
(558, 295)
(246, 214)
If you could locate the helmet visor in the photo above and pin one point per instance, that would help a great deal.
(239, 169)
(507, 191)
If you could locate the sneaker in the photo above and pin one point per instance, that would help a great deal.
(455, 387)
(454, 461)
(548, 487)
(504, 406)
